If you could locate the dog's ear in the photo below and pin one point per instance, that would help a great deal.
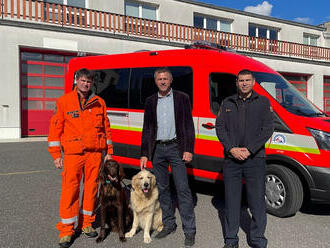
(135, 182)
(101, 173)
(153, 180)
(121, 172)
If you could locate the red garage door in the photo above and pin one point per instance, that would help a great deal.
(42, 82)
(297, 80)
(326, 95)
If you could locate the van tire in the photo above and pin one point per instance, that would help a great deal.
(284, 191)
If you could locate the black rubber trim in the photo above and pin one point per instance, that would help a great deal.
(321, 177)
(279, 124)
(284, 160)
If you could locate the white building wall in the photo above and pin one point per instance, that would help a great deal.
(16, 37)
(181, 12)
(173, 11)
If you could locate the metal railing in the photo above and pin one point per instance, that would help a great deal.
(73, 17)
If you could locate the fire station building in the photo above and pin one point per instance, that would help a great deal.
(38, 38)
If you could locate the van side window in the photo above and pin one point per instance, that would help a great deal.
(129, 87)
(221, 85)
(143, 84)
(112, 86)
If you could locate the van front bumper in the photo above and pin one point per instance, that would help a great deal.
(321, 178)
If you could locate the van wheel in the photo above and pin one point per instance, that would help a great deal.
(284, 191)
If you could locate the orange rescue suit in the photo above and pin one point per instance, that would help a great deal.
(78, 128)
(81, 130)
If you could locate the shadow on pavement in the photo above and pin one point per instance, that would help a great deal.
(218, 201)
(315, 208)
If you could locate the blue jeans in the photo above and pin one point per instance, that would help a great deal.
(253, 170)
(163, 156)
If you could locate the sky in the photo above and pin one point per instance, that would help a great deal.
(313, 12)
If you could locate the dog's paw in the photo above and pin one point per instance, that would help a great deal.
(129, 234)
(160, 228)
(147, 240)
(122, 239)
(99, 239)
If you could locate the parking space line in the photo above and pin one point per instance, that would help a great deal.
(23, 172)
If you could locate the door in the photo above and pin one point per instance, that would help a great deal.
(42, 82)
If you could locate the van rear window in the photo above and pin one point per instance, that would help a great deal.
(129, 87)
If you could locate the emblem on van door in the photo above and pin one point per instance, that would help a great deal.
(279, 139)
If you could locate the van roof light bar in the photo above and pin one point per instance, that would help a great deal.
(207, 45)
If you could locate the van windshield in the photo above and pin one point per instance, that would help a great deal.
(286, 94)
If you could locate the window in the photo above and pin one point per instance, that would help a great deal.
(112, 86)
(140, 10)
(298, 81)
(310, 39)
(129, 87)
(143, 83)
(263, 32)
(198, 21)
(221, 86)
(72, 3)
(212, 23)
(286, 94)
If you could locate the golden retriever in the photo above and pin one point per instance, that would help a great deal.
(147, 213)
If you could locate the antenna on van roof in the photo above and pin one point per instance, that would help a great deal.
(207, 45)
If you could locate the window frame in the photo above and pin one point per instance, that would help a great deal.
(140, 6)
(219, 21)
(219, 90)
(135, 97)
(66, 2)
(68, 15)
(309, 37)
(268, 30)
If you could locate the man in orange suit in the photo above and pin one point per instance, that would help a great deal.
(79, 129)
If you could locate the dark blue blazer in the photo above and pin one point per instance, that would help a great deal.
(259, 124)
(185, 131)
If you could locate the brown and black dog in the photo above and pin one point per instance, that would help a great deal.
(113, 201)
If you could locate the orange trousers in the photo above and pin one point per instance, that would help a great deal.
(75, 166)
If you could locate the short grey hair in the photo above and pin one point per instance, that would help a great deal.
(162, 70)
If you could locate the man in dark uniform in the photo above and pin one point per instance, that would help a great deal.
(243, 126)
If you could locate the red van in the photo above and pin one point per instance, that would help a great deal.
(297, 154)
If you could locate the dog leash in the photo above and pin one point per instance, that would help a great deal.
(127, 187)
(107, 181)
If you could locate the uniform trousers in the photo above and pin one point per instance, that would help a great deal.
(253, 171)
(75, 166)
(164, 155)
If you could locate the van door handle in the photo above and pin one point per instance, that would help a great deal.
(118, 114)
(208, 125)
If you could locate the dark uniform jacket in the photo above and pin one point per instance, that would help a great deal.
(184, 125)
(258, 125)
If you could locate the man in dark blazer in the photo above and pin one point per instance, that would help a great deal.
(168, 137)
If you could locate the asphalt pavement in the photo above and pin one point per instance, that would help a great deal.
(29, 199)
